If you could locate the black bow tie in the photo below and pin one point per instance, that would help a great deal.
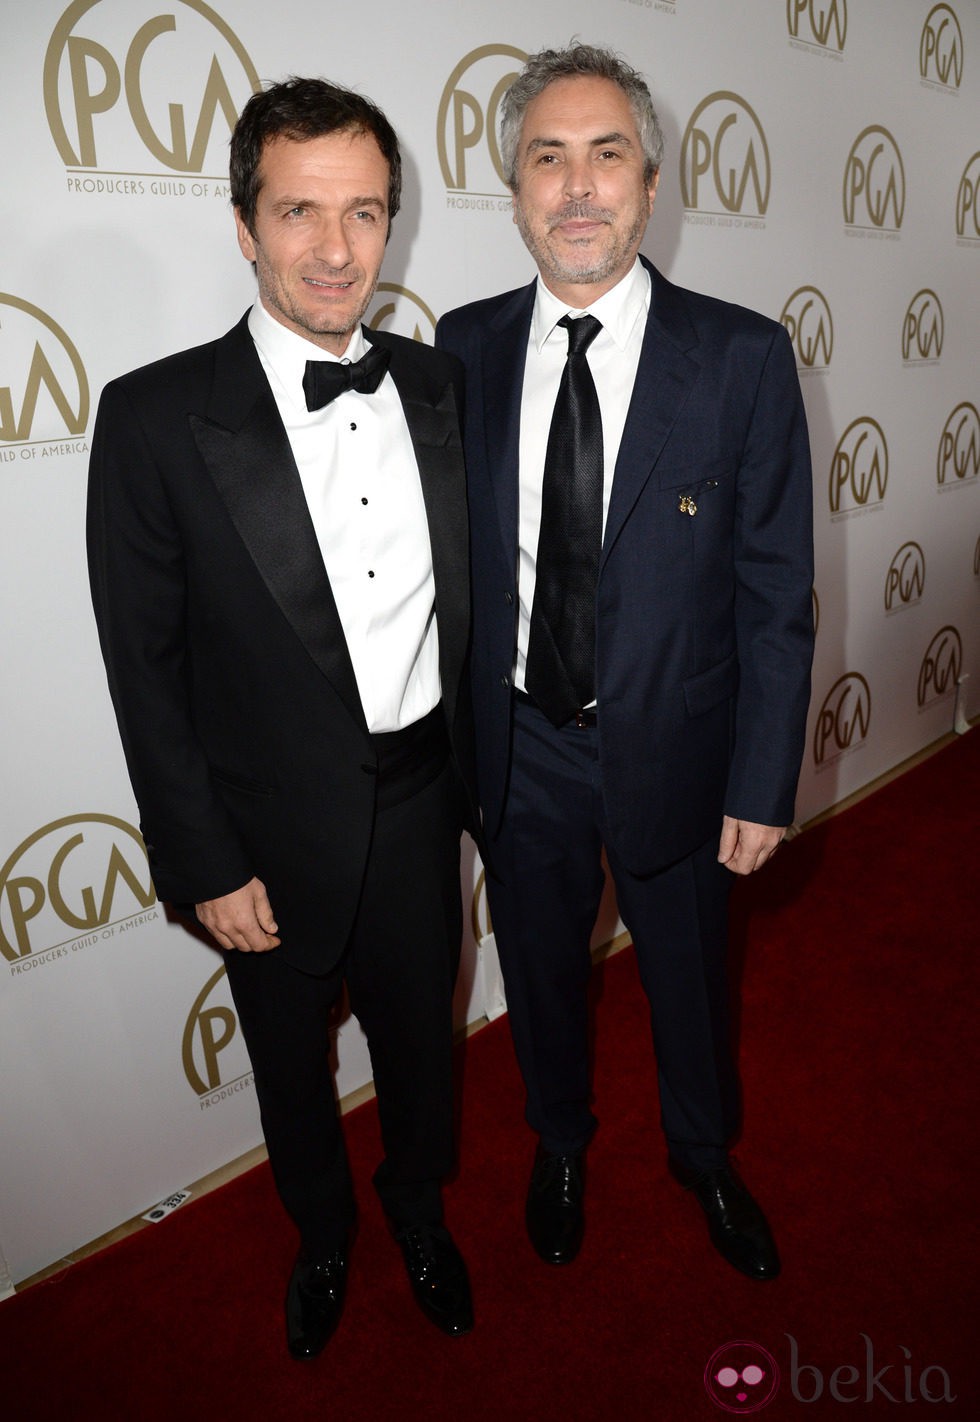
(324, 380)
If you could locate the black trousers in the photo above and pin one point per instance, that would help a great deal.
(543, 902)
(399, 968)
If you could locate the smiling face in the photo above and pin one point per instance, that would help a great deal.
(581, 201)
(321, 223)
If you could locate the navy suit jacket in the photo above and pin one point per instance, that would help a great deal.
(704, 625)
(233, 687)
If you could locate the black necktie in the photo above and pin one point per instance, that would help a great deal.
(560, 673)
(324, 380)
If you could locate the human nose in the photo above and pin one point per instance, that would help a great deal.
(579, 179)
(332, 245)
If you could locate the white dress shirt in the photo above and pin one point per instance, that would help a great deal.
(361, 480)
(614, 357)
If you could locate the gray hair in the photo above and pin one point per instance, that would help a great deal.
(548, 65)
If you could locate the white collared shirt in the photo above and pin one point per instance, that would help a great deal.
(361, 480)
(614, 357)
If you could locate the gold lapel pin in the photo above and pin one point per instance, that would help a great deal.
(687, 505)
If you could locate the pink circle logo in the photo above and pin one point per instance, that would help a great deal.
(741, 1377)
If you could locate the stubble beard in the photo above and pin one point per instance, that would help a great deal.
(605, 264)
(279, 298)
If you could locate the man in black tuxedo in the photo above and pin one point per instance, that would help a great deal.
(639, 483)
(278, 556)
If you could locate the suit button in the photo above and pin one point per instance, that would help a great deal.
(370, 769)
(509, 599)
(505, 681)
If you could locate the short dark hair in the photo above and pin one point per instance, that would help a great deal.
(578, 60)
(301, 109)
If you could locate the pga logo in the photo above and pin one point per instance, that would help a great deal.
(843, 719)
(941, 48)
(467, 122)
(874, 181)
(820, 22)
(725, 164)
(118, 92)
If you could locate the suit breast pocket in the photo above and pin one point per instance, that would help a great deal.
(687, 486)
(708, 496)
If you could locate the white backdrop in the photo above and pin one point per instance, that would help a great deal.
(823, 166)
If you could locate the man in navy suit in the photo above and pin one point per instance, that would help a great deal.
(278, 553)
(640, 505)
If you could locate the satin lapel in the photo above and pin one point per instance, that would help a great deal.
(433, 423)
(504, 358)
(664, 379)
(244, 445)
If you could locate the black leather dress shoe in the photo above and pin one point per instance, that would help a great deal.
(314, 1302)
(736, 1224)
(438, 1277)
(554, 1212)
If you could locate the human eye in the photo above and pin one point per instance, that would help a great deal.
(367, 212)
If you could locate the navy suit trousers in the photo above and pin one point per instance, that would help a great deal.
(544, 897)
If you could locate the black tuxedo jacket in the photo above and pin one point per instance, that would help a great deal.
(235, 694)
(703, 618)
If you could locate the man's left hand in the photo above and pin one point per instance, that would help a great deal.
(745, 846)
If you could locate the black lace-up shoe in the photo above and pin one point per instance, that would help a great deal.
(438, 1277)
(554, 1212)
(314, 1303)
(736, 1225)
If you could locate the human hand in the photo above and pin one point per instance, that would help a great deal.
(241, 920)
(745, 846)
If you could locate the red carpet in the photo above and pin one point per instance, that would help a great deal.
(857, 1036)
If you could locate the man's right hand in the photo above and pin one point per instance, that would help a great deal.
(242, 920)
